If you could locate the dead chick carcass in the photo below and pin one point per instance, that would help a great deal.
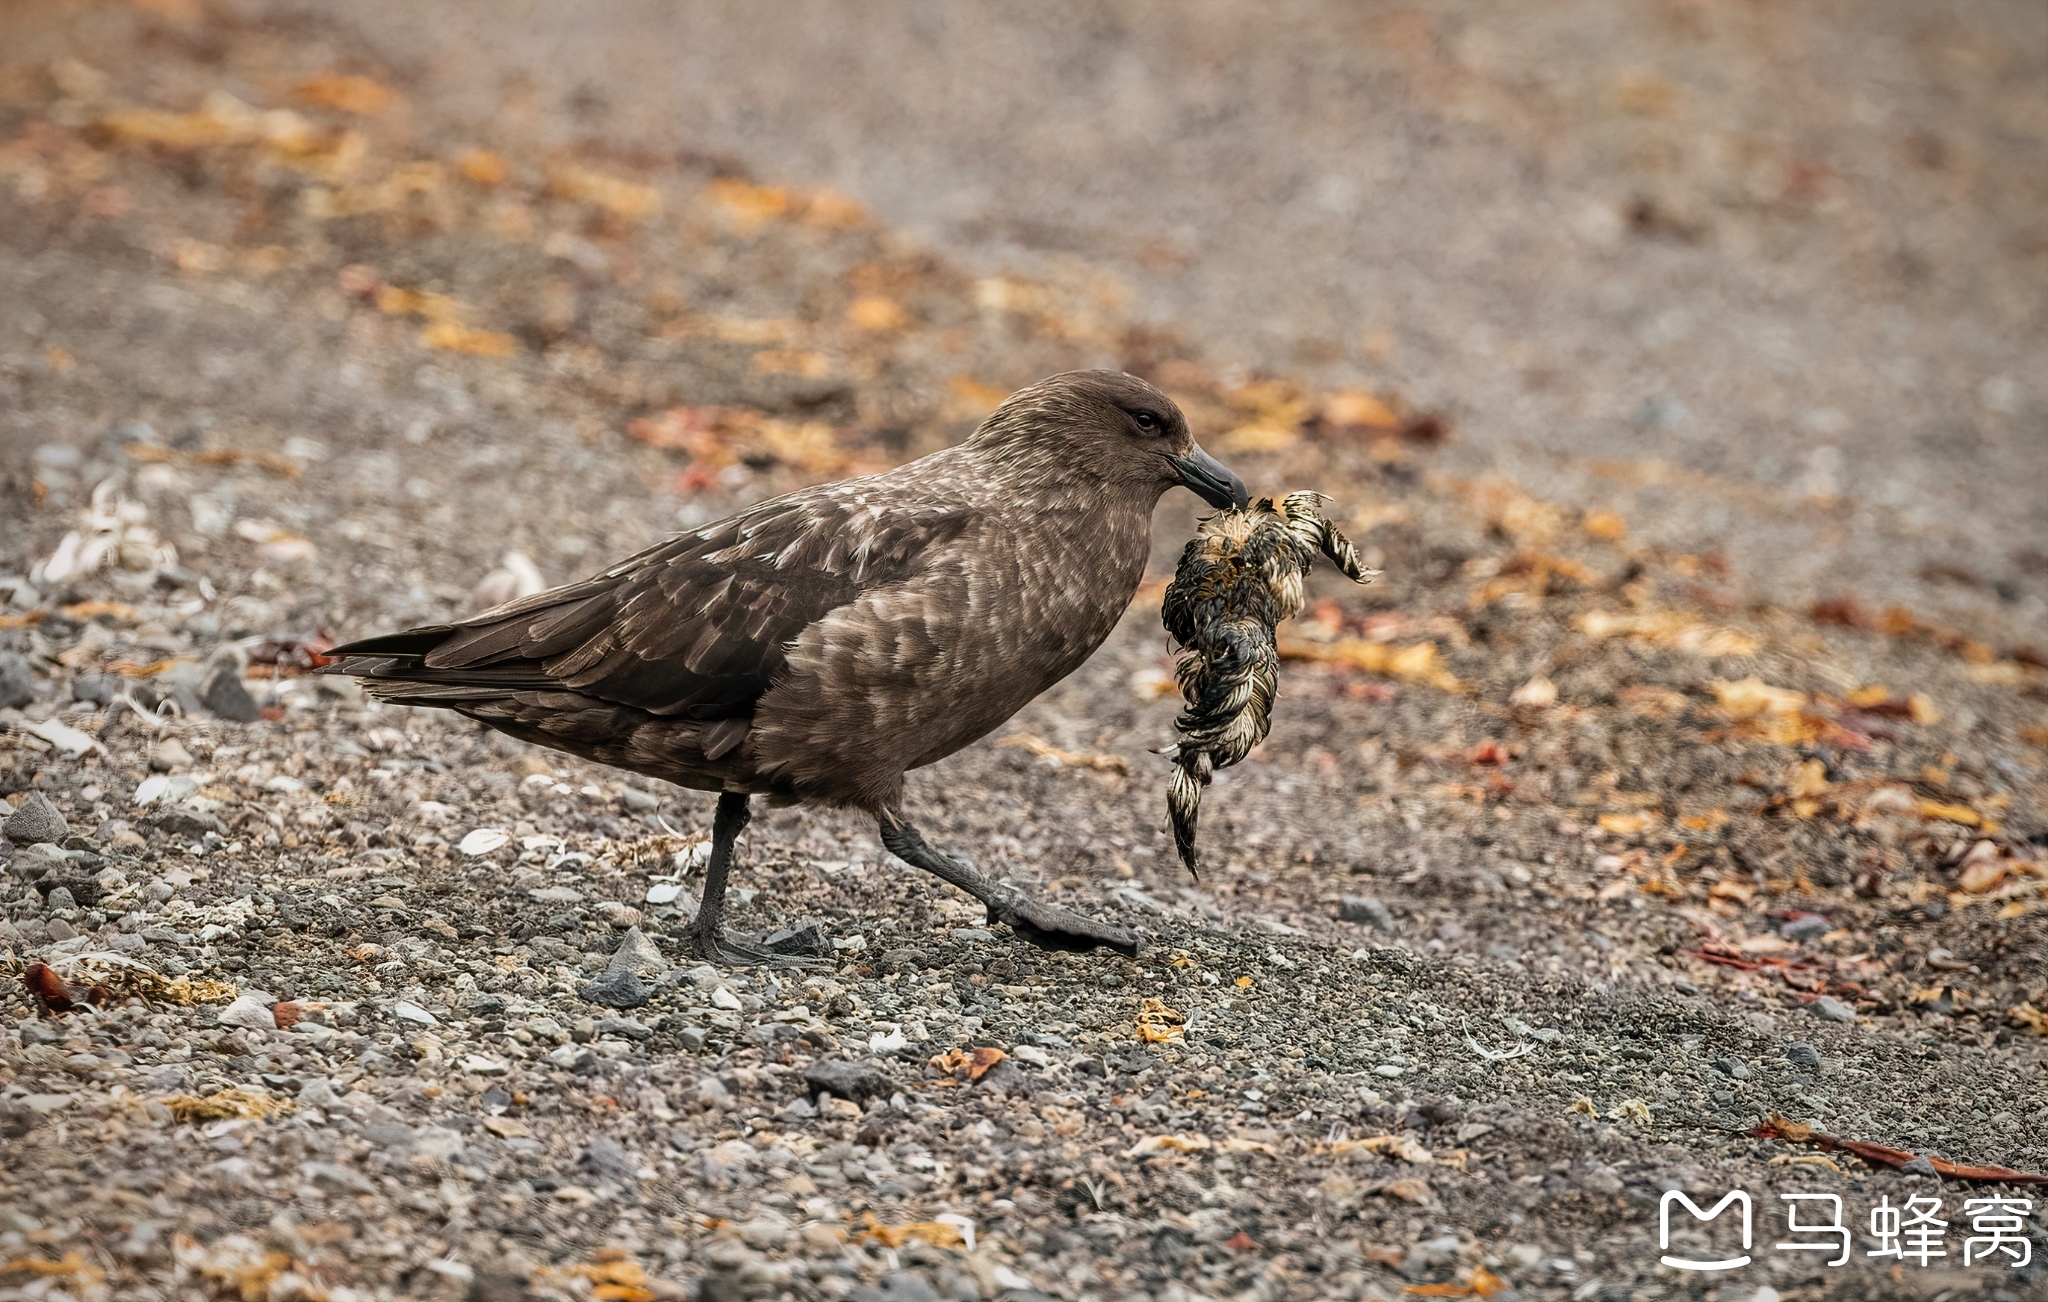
(1239, 576)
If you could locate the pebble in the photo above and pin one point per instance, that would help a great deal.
(167, 756)
(225, 698)
(17, 681)
(35, 821)
(1367, 910)
(412, 1012)
(318, 1093)
(638, 955)
(616, 988)
(855, 1081)
(1803, 1056)
(1734, 1068)
(1805, 926)
(1834, 1010)
(251, 1010)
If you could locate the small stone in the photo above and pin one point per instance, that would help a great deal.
(35, 821)
(855, 1081)
(616, 988)
(478, 1065)
(1388, 1070)
(59, 900)
(168, 756)
(608, 1158)
(1734, 1068)
(37, 861)
(250, 1010)
(318, 1093)
(340, 1179)
(1805, 926)
(1919, 1166)
(906, 1286)
(412, 1012)
(225, 698)
(17, 681)
(60, 930)
(638, 955)
(622, 1028)
(1803, 1056)
(1367, 910)
(83, 891)
(1833, 1009)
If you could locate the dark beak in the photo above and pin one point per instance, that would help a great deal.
(1211, 480)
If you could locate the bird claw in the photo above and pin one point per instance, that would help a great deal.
(724, 949)
(1051, 927)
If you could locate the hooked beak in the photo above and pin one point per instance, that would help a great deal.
(1211, 480)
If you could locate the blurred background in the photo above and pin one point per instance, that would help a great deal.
(1796, 250)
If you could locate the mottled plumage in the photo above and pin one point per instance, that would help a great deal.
(1238, 577)
(816, 646)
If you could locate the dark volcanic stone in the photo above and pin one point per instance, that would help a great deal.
(856, 1081)
(35, 821)
(617, 988)
(224, 697)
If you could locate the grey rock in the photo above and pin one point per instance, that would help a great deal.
(249, 1011)
(622, 1028)
(59, 900)
(1732, 1067)
(389, 1134)
(608, 1158)
(341, 1179)
(60, 930)
(84, 891)
(855, 1081)
(225, 698)
(1919, 1166)
(1803, 1056)
(179, 821)
(638, 955)
(616, 989)
(1834, 1010)
(1367, 910)
(807, 941)
(318, 1093)
(96, 689)
(37, 861)
(1805, 926)
(35, 821)
(17, 681)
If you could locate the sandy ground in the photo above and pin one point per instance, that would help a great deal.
(1678, 773)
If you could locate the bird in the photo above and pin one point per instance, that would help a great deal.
(814, 647)
(1238, 577)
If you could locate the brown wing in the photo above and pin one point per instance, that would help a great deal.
(694, 628)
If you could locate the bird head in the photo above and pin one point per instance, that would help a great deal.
(1107, 429)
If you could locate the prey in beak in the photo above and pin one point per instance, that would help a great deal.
(1211, 480)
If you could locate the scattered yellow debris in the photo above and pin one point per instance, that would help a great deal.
(1414, 664)
(616, 195)
(351, 94)
(1069, 758)
(233, 1104)
(1667, 628)
(1158, 1023)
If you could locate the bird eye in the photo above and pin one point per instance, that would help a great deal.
(1146, 421)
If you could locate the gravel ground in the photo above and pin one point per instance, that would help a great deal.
(1575, 854)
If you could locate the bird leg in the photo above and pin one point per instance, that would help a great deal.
(708, 936)
(1044, 925)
